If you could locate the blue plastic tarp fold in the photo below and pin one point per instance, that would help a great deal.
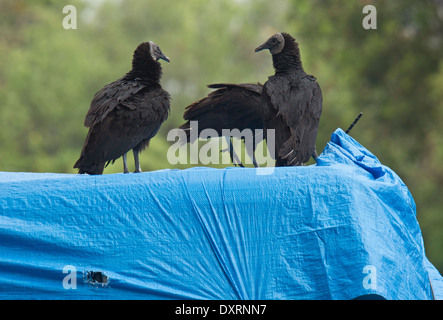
(343, 228)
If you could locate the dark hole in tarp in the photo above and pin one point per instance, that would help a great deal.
(96, 278)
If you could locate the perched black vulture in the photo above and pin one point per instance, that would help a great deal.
(126, 113)
(291, 103)
(231, 106)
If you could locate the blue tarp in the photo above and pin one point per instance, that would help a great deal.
(340, 229)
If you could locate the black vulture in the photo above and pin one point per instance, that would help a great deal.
(126, 113)
(291, 103)
(231, 106)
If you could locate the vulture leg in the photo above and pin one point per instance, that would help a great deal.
(314, 155)
(137, 161)
(125, 164)
(251, 153)
(234, 158)
(256, 140)
(254, 161)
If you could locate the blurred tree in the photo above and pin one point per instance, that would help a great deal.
(394, 75)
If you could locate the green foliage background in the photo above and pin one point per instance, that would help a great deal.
(394, 75)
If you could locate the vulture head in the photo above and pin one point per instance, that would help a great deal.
(156, 52)
(275, 44)
(148, 51)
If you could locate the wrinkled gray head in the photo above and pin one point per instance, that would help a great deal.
(156, 53)
(275, 44)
